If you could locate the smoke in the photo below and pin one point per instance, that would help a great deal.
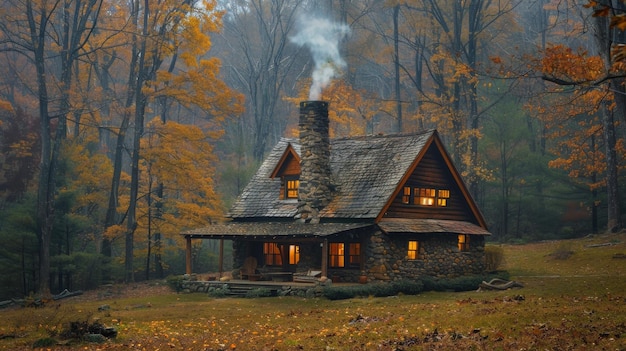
(322, 38)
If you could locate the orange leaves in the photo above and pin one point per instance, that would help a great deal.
(563, 63)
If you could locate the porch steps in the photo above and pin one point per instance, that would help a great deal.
(244, 289)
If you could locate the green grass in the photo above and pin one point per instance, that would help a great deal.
(575, 302)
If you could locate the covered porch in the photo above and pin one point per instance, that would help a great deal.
(278, 250)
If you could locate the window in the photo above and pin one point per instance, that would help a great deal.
(463, 242)
(291, 188)
(336, 255)
(442, 197)
(294, 254)
(406, 195)
(355, 254)
(272, 255)
(425, 196)
(412, 252)
(341, 255)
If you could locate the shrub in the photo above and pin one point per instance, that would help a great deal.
(260, 292)
(494, 257)
(463, 283)
(378, 290)
(219, 292)
(175, 282)
(409, 287)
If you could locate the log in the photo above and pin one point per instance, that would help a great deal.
(500, 284)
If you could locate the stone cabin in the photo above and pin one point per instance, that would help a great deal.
(383, 207)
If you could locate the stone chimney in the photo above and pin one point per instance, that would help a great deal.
(315, 188)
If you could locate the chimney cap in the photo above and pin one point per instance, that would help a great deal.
(314, 103)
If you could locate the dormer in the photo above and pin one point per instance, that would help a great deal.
(288, 170)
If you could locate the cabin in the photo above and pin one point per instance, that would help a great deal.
(366, 208)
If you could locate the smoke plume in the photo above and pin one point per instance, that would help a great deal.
(322, 38)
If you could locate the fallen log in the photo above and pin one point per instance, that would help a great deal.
(500, 284)
(66, 293)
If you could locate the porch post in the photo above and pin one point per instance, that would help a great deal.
(325, 258)
(221, 269)
(188, 255)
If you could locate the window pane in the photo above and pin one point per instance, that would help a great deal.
(292, 188)
(412, 250)
(272, 255)
(294, 254)
(426, 196)
(355, 254)
(336, 255)
(463, 242)
(406, 195)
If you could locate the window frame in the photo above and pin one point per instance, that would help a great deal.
(463, 242)
(291, 193)
(272, 254)
(412, 254)
(345, 254)
(425, 196)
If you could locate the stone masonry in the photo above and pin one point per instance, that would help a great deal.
(315, 190)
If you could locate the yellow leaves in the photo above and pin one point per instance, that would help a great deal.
(563, 63)
(115, 231)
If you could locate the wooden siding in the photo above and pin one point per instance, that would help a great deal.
(432, 172)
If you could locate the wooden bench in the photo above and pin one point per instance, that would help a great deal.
(279, 276)
(311, 276)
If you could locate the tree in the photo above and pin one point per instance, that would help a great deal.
(603, 78)
(38, 32)
(257, 32)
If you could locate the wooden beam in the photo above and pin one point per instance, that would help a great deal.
(221, 257)
(325, 258)
(188, 255)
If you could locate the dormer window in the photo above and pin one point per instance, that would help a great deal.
(291, 187)
(288, 169)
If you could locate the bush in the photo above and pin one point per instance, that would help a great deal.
(463, 283)
(260, 292)
(409, 287)
(494, 257)
(219, 292)
(175, 282)
(406, 287)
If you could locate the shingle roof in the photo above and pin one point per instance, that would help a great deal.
(273, 230)
(365, 172)
(403, 225)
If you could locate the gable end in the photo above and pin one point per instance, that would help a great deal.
(433, 172)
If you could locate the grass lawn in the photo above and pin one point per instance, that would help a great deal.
(573, 299)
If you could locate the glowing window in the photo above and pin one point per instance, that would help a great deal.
(406, 195)
(271, 252)
(355, 254)
(442, 197)
(463, 242)
(294, 254)
(336, 255)
(413, 250)
(425, 196)
(291, 188)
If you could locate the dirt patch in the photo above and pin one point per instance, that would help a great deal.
(123, 291)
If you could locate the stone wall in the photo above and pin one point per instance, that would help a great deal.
(438, 256)
(386, 257)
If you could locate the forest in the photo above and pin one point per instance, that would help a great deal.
(124, 123)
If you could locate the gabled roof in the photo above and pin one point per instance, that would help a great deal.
(367, 173)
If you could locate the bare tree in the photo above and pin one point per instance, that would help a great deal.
(261, 58)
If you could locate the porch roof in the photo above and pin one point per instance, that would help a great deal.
(272, 230)
(404, 225)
